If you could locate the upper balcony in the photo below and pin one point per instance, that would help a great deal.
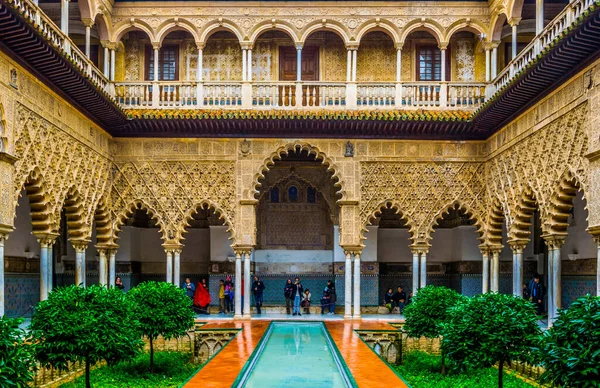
(381, 64)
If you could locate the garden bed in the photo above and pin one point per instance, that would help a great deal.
(171, 369)
(423, 370)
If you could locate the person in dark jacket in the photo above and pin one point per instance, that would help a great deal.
(287, 293)
(387, 299)
(536, 294)
(325, 300)
(399, 299)
(332, 296)
(257, 289)
(297, 292)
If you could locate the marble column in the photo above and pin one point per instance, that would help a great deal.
(494, 64)
(112, 270)
(177, 267)
(50, 265)
(247, 283)
(487, 65)
(298, 63)
(169, 266)
(423, 270)
(106, 60)
(244, 65)
(156, 48)
(348, 286)
(64, 16)
(539, 16)
(415, 272)
(249, 54)
(443, 70)
(112, 64)
(102, 270)
(3, 237)
(356, 286)
(597, 239)
(43, 271)
(199, 67)
(80, 248)
(514, 39)
(238, 286)
(550, 284)
(517, 270)
(349, 66)
(495, 271)
(556, 280)
(485, 275)
(87, 40)
(398, 64)
(354, 54)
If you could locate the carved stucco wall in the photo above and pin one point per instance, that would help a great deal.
(376, 59)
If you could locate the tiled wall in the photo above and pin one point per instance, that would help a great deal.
(21, 291)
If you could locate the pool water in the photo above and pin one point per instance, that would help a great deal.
(295, 354)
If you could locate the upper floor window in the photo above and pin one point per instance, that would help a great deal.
(274, 195)
(168, 63)
(429, 63)
(293, 194)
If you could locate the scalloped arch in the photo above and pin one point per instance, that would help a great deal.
(39, 201)
(204, 204)
(292, 147)
(466, 209)
(525, 207)
(123, 214)
(389, 204)
(73, 207)
(561, 202)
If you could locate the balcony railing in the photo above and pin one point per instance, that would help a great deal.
(558, 25)
(299, 95)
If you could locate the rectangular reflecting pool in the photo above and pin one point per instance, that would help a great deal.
(295, 354)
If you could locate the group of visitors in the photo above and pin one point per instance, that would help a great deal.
(398, 299)
(534, 291)
(296, 297)
(199, 294)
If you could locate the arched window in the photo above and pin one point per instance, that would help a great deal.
(293, 194)
(275, 195)
(311, 195)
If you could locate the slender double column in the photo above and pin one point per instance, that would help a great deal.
(415, 272)
(246, 286)
(177, 267)
(3, 237)
(517, 248)
(495, 270)
(356, 314)
(103, 267)
(485, 272)
(348, 286)
(169, 270)
(419, 267)
(80, 247)
(112, 270)
(352, 270)
(238, 286)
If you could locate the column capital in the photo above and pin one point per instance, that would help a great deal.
(111, 45)
(108, 248)
(104, 43)
(5, 230)
(352, 249)
(246, 45)
(494, 44)
(555, 240)
(593, 230)
(420, 248)
(242, 250)
(352, 46)
(200, 45)
(518, 246)
(80, 244)
(514, 21)
(490, 248)
(172, 247)
(443, 45)
(46, 239)
(399, 45)
(299, 45)
(88, 22)
(156, 45)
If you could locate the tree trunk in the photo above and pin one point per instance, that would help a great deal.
(443, 363)
(87, 373)
(151, 356)
(500, 373)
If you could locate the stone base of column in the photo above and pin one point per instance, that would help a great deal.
(357, 317)
(347, 317)
(238, 317)
(246, 317)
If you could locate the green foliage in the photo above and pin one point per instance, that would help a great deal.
(161, 309)
(85, 324)
(489, 329)
(16, 355)
(428, 311)
(172, 369)
(570, 350)
(422, 370)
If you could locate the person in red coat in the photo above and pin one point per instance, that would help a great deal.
(202, 297)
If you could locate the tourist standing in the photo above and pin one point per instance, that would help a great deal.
(222, 296)
(258, 288)
(229, 294)
(306, 301)
(119, 284)
(537, 294)
(287, 293)
(202, 297)
(387, 299)
(332, 296)
(325, 300)
(399, 299)
(189, 288)
(297, 292)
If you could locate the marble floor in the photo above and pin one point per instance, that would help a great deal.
(303, 317)
(367, 369)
